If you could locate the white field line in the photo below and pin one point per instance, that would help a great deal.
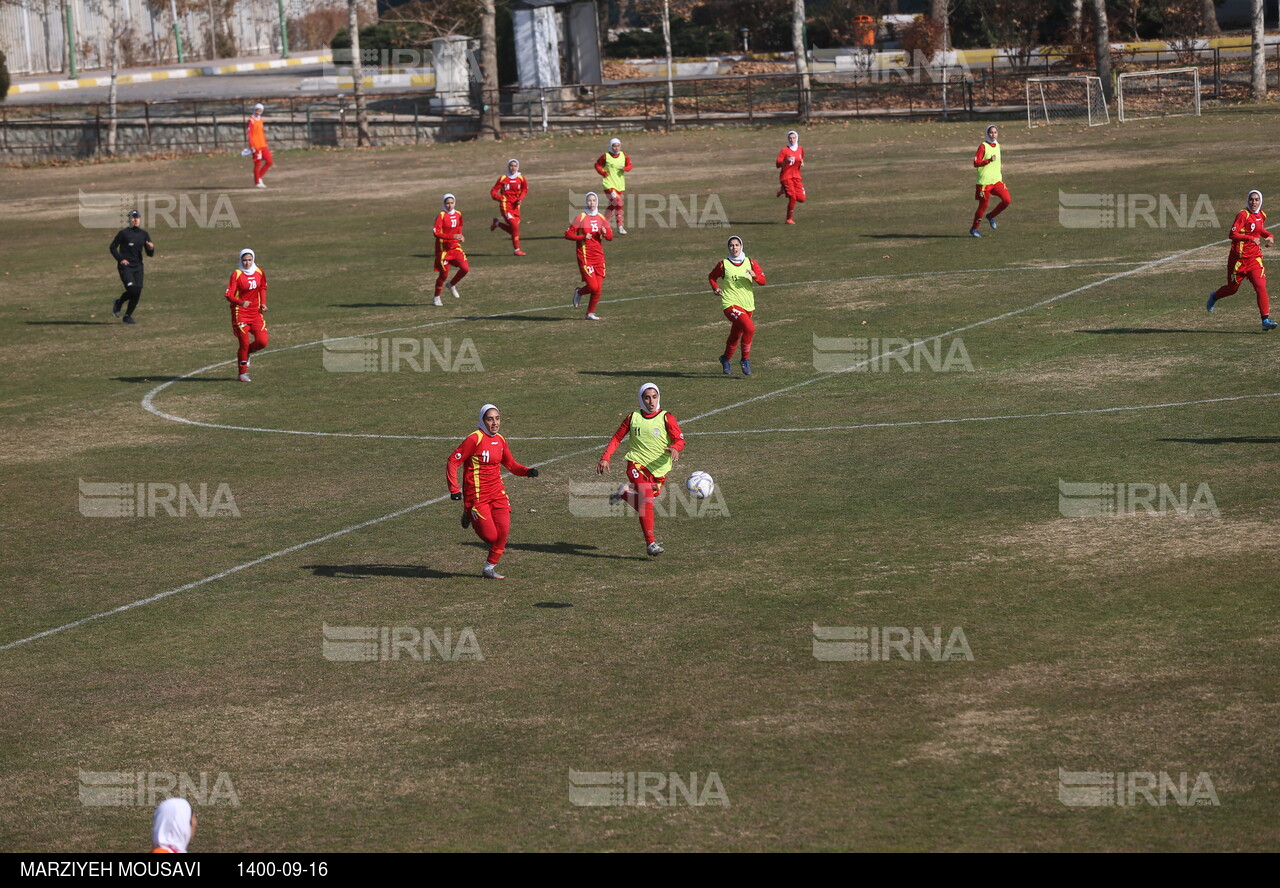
(409, 509)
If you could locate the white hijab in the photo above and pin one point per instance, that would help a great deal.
(586, 209)
(517, 172)
(649, 385)
(483, 410)
(986, 135)
(172, 825)
(613, 142)
(729, 256)
(253, 269)
(793, 133)
(1246, 199)
(446, 209)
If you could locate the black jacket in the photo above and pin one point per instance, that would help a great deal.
(129, 244)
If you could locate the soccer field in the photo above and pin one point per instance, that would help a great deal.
(1010, 587)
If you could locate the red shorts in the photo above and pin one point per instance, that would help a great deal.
(247, 323)
(1241, 268)
(793, 187)
(513, 213)
(591, 271)
(638, 474)
(446, 257)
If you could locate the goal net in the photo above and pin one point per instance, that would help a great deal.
(1170, 93)
(1073, 100)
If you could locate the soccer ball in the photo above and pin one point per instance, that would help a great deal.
(700, 485)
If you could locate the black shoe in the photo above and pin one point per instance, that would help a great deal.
(115, 307)
(128, 319)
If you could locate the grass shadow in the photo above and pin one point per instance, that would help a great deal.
(67, 323)
(174, 378)
(1243, 439)
(561, 548)
(1141, 330)
(368, 571)
(666, 374)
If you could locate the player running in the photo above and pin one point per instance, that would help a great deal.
(127, 248)
(449, 240)
(655, 444)
(613, 165)
(247, 293)
(256, 133)
(789, 163)
(1248, 233)
(990, 181)
(509, 191)
(738, 300)
(590, 230)
(485, 508)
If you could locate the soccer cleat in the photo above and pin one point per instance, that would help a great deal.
(115, 307)
(577, 297)
(128, 319)
(454, 291)
(1208, 306)
(491, 572)
(493, 226)
(726, 366)
(791, 221)
(1268, 324)
(592, 316)
(259, 185)
(746, 367)
(992, 223)
(655, 549)
(621, 230)
(620, 494)
(520, 252)
(437, 300)
(973, 232)
(244, 377)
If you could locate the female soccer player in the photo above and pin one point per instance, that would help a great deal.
(590, 230)
(1248, 233)
(482, 455)
(449, 240)
(173, 827)
(738, 301)
(247, 293)
(656, 443)
(990, 181)
(509, 191)
(255, 132)
(789, 163)
(613, 165)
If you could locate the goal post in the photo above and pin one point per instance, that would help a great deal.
(1172, 92)
(1066, 100)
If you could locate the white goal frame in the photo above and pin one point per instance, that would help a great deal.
(1066, 100)
(1134, 113)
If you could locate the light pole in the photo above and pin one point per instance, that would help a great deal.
(746, 34)
(177, 35)
(284, 31)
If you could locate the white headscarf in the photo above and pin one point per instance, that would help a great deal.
(650, 385)
(613, 142)
(729, 256)
(252, 269)
(986, 135)
(446, 197)
(586, 209)
(517, 172)
(1246, 199)
(258, 109)
(483, 410)
(171, 827)
(793, 133)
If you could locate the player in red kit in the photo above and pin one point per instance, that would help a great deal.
(590, 229)
(247, 293)
(789, 163)
(1248, 234)
(990, 181)
(449, 240)
(613, 167)
(482, 456)
(731, 280)
(509, 191)
(654, 443)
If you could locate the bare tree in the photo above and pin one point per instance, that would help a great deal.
(491, 116)
(1102, 47)
(114, 38)
(357, 75)
(1257, 54)
(802, 57)
(1210, 14)
(940, 12)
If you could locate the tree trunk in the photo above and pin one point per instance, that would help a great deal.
(666, 39)
(1102, 47)
(115, 75)
(802, 57)
(1077, 18)
(1210, 18)
(357, 76)
(939, 11)
(1257, 54)
(490, 101)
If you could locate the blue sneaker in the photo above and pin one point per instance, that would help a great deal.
(724, 365)
(1268, 324)
(1208, 306)
(992, 223)
(973, 232)
(746, 365)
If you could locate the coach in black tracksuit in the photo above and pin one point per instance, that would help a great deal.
(128, 248)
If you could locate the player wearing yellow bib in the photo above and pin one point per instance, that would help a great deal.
(613, 165)
(654, 443)
(736, 273)
(990, 181)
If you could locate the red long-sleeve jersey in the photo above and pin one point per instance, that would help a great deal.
(508, 192)
(600, 168)
(757, 274)
(244, 286)
(789, 162)
(1244, 230)
(674, 435)
(482, 457)
(980, 159)
(590, 232)
(447, 228)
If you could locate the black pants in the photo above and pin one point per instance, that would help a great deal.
(131, 277)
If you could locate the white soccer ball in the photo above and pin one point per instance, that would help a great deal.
(700, 485)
